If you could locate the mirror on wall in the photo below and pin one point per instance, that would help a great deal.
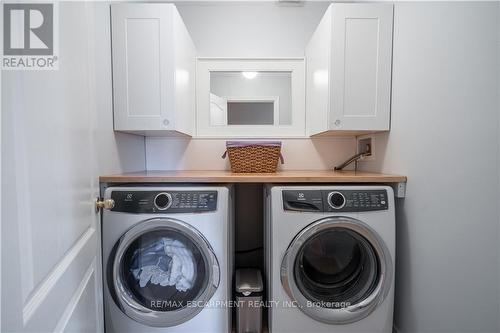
(250, 98)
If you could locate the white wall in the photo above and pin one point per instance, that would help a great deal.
(205, 154)
(445, 138)
(117, 152)
(260, 29)
(57, 138)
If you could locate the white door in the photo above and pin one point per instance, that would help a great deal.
(56, 138)
(50, 238)
(361, 66)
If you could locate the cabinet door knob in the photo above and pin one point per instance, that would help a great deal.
(166, 122)
(337, 122)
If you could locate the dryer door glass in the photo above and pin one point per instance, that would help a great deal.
(336, 268)
(163, 272)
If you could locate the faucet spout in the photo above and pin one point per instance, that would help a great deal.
(354, 158)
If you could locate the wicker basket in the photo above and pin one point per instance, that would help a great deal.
(253, 157)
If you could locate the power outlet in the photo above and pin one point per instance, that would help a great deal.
(366, 144)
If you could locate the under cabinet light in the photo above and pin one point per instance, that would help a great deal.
(249, 75)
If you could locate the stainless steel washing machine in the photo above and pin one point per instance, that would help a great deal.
(167, 261)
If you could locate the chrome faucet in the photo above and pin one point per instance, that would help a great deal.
(355, 158)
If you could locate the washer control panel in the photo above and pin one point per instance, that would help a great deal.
(335, 200)
(150, 202)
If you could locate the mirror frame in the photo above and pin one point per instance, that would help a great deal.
(296, 66)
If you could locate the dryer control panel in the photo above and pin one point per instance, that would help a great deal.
(151, 202)
(335, 200)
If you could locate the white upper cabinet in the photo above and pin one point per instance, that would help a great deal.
(349, 61)
(153, 70)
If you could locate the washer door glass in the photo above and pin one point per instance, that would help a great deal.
(164, 272)
(337, 270)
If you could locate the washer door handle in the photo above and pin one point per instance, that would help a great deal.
(284, 275)
(216, 275)
(215, 268)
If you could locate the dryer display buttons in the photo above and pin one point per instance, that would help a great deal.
(335, 200)
(164, 202)
(361, 201)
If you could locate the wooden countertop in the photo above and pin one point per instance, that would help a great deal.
(301, 176)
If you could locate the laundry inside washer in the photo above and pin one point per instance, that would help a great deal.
(166, 262)
(162, 271)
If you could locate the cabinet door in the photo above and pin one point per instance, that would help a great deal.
(142, 45)
(361, 67)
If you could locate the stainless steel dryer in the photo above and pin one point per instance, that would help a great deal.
(330, 258)
(167, 259)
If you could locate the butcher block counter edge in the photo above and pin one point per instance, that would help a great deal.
(287, 176)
